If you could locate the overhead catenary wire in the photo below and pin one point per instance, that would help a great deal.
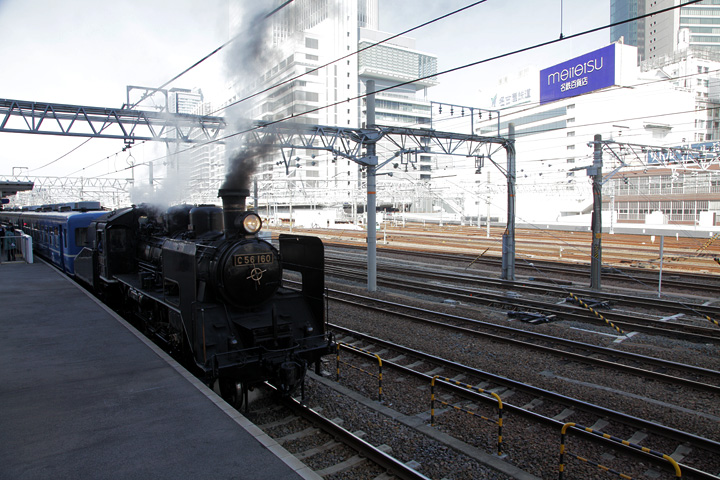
(421, 78)
(146, 95)
(514, 52)
(284, 82)
(451, 70)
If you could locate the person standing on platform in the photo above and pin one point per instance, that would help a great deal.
(10, 245)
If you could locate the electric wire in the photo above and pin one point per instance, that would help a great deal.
(521, 50)
(146, 95)
(309, 72)
(451, 70)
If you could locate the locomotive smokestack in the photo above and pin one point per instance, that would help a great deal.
(233, 206)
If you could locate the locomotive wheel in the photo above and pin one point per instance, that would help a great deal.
(232, 392)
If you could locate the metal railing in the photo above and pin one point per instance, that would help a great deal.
(16, 246)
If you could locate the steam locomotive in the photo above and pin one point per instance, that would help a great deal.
(202, 281)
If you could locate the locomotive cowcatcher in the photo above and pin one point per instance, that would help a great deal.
(202, 281)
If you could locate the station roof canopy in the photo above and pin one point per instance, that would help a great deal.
(8, 188)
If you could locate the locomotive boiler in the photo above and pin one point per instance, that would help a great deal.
(203, 281)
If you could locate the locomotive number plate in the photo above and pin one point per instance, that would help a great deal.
(255, 259)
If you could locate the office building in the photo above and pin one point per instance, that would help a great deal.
(604, 92)
(688, 27)
(302, 37)
(629, 33)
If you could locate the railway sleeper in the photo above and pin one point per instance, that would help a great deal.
(317, 450)
(349, 463)
(297, 435)
(277, 423)
(536, 402)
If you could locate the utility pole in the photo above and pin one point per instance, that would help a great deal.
(508, 238)
(596, 172)
(371, 190)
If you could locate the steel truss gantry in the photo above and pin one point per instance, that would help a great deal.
(629, 155)
(18, 116)
(350, 143)
(71, 189)
(358, 145)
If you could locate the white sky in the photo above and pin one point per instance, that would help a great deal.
(85, 52)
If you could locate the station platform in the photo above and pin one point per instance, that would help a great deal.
(83, 395)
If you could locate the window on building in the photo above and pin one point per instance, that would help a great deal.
(571, 147)
(311, 57)
(571, 134)
(312, 43)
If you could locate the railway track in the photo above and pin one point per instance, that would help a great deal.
(535, 414)
(324, 445)
(669, 372)
(642, 278)
(536, 285)
(622, 322)
(470, 387)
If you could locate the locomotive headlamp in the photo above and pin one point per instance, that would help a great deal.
(251, 223)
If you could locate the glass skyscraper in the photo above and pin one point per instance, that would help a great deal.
(631, 33)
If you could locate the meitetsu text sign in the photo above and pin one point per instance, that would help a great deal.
(592, 71)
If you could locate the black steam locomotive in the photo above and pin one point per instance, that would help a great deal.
(202, 281)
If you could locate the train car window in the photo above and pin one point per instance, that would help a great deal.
(65, 244)
(81, 237)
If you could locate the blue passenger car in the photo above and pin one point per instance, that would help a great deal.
(59, 231)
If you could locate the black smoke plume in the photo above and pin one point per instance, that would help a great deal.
(242, 164)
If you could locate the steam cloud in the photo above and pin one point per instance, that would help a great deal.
(248, 57)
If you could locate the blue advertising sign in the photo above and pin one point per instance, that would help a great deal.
(592, 71)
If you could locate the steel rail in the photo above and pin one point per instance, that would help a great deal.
(623, 274)
(635, 422)
(392, 465)
(699, 371)
(550, 286)
(567, 311)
